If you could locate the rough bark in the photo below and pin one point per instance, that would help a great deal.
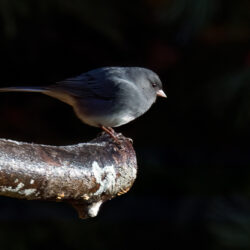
(85, 174)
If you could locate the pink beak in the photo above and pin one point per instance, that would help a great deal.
(161, 93)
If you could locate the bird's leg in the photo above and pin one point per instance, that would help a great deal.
(111, 132)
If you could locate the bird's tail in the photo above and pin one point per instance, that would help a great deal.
(50, 91)
(24, 89)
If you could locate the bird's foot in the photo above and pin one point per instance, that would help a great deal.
(112, 133)
(117, 138)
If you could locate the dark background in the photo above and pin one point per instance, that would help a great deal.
(193, 149)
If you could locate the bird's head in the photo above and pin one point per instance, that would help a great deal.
(155, 83)
(148, 80)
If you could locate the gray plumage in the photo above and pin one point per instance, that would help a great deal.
(105, 97)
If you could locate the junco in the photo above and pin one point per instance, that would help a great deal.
(106, 97)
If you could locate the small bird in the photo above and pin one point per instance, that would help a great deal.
(105, 97)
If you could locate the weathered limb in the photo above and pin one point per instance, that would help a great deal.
(84, 175)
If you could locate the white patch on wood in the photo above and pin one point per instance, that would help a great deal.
(32, 181)
(11, 189)
(18, 190)
(16, 142)
(28, 192)
(16, 181)
(37, 193)
(93, 208)
(85, 197)
(134, 172)
(105, 177)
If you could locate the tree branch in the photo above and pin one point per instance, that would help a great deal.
(85, 174)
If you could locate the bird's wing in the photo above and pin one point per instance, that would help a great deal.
(87, 85)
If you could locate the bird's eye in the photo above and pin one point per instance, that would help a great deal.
(154, 85)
